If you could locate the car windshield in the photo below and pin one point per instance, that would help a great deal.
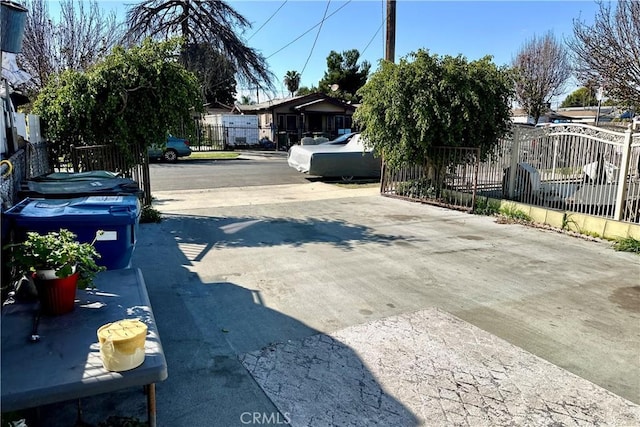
(341, 139)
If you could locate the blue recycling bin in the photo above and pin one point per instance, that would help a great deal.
(117, 216)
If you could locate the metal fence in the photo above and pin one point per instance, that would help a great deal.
(109, 158)
(570, 167)
(217, 137)
(450, 178)
(34, 160)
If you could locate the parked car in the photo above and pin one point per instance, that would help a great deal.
(174, 148)
(334, 160)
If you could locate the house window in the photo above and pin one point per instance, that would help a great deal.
(343, 122)
(288, 122)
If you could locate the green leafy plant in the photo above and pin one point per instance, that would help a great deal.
(426, 100)
(512, 212)
(130, 99)
(485, 206)
(568, 223)
(627, 244)
(59, 251)
(149, 214)
(421, 188)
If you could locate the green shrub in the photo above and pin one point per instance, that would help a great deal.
(512, 212)
(149, 214)
(421, 188)
(486, 206)
(627, 244)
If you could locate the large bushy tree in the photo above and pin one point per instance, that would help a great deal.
(541, 69)
(305, 90)
(81, 36)
(204, 22)
(608, 51)
(429, 100)
(344, 75)
(131, 100)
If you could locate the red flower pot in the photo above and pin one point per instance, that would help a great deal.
(57, 296)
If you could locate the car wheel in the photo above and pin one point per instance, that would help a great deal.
(170, 156)
(347, 178)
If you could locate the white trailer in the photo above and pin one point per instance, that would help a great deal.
(234, 129)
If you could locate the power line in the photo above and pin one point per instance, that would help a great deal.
(317, 35)
(372, 38)
(308, 31)
(267, 21)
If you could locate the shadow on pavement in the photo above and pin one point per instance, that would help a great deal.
(224, 232)
(207, 328)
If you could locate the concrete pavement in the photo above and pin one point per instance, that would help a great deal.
(235, 274)
(426, 368)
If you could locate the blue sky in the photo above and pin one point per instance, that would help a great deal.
(470, 28)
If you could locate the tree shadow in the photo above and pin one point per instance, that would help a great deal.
(208, 328)
(312, 378)
(206, 233)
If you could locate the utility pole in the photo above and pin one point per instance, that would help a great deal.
(390, 52)
(599, 96)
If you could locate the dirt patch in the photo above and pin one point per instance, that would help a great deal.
(627, 298)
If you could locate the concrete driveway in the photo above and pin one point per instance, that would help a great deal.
(237, 274)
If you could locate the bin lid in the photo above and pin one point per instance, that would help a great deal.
(72, 185)
(107, 210)
(76, 176)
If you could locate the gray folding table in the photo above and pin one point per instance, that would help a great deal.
(65, 363)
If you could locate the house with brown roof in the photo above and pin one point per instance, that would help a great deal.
(588, 114)
(562, 115)
(288, 120)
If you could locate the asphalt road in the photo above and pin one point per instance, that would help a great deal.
(246, 171)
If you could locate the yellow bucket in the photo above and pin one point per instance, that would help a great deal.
(122, 344)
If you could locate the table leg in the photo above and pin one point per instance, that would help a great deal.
(151, 404)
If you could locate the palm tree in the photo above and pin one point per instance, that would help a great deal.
(292, 81)
(210, 22)
(246, 100)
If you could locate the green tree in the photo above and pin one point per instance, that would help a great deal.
(211, 22)
(130, 100)
(541, 68)
(344, 76)
(292, 81)
(246, 100)
(305, 90)
(428, 100)
(581, 97)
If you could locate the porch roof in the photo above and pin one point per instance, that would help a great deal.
(296, 103)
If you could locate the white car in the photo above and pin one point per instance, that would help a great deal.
(346, 161)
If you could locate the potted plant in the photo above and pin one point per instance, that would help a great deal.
(58, 263)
